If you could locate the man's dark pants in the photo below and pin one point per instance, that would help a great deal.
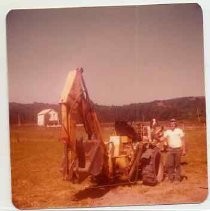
(173, 163)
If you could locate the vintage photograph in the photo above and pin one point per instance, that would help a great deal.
(107, 106)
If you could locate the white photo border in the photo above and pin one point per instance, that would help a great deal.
(5, 172)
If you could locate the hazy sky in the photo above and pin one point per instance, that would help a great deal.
(129, 54)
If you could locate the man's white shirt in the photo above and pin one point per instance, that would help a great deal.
(174, 137)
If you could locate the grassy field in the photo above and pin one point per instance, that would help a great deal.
(37, 183)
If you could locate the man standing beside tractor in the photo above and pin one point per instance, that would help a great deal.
(175, 149)
(170, 141)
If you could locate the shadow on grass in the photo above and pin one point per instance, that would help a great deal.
(184, 163)
(97, 191)
(90, 193)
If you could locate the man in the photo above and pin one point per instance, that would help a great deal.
(176, 148)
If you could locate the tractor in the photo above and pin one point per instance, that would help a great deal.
(124, 156)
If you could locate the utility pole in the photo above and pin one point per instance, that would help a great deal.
(198, 115)
(142, 117)
(19, 120)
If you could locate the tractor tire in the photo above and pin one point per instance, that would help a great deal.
(153, 172)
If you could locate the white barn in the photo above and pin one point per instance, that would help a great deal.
(48, 117)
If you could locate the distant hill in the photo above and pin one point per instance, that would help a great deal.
(189, 108)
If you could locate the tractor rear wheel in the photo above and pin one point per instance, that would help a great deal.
(153, 172)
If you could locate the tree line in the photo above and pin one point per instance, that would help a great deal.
(188, 108)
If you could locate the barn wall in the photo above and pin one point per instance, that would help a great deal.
(47, 119)
(53, 116)
(40, 120)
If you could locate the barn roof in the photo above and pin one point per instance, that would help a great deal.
(45, 111)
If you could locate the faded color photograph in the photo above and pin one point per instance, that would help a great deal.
(107, 106)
